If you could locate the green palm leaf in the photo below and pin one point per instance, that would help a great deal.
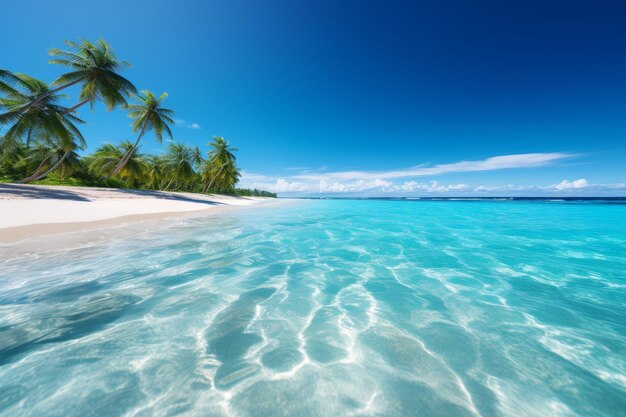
(148, 115)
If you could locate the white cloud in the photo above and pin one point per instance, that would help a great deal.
(317, 182)
(574, 185)
(385, 187)
(381, 183)
(282, 185)
(430, 187)
(528, 160)
(183, 123)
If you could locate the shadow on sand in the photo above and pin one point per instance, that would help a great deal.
(166, 196)
(27, 191)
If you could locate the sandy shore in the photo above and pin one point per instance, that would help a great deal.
(28, 211)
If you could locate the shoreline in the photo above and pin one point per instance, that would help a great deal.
(32, 211)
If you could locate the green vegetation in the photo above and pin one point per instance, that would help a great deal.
(40, 139)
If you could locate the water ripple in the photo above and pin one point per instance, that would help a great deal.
(355, 308)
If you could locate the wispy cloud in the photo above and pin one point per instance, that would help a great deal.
(400, 181)
(527, 160)
(183, 123)
(385, 187)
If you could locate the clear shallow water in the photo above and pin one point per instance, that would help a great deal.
(327, 308)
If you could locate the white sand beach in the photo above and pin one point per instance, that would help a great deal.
(32, 210)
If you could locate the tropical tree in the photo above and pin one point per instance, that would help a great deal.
(221, 161)
(197, 158)
(180, 163)
(71, 165)
(156, 171)
(109, 156)
(12, 157)
(96, 68)
(46, 153)
(8, 80)
(40, 154)
(63, 157)
(228, 178)
(148, 115)
(105, 158)
(46, 119)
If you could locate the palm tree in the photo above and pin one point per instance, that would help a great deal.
(46, 153)
(197, 158)
(96, 67)
(105, 158)
(232, 177)
(156, 171)
(180, 162)
(12, 158)
(221, 158)
(148, 115)
(72, 164)
(225, 178)
(44, 119)
(108, 156)
(8, 80)
(40, 154)
(63, 157)
(93, 65)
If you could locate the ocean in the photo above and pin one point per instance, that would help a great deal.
(326, 308)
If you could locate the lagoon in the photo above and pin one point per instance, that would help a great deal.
(327, 308)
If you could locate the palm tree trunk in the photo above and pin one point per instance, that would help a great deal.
(123, 161)
(37, 171)
(45, 174)
(30, 131)
(169, 183)
(49, 93)
(128, 154)
(82, 103)
(34, 175)
(214, 178)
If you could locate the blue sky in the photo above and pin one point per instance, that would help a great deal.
(366, 97)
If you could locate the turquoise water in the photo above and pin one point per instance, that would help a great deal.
(327, 308)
